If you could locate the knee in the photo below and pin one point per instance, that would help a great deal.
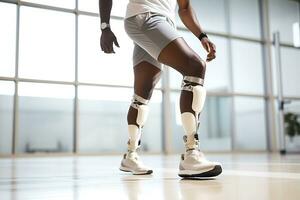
(195, 67)
(145, 90)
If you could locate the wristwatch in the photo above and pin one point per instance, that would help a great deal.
(202, 35)
(104, 25)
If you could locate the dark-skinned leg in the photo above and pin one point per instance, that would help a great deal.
(187, 62)
(146, 76)
(182, 58)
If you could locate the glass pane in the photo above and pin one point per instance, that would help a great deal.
(244, 18)
(7, 39)
(215, 124)
(118, 8)
(57, 3)
(211, 15)
(250, 123)
(292, 126)
(282, 16)
(247, 67)
(103, 120)
(217, 73)
(47, 43)
(6, 116)
(45, 118)
(290, 59)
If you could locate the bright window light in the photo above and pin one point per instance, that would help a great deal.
(46, 90)
(7, 88)
(56, 3)
(296, 34)
(7, 39)
(47, 44)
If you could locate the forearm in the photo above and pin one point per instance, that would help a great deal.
(105, 9)
(189, 19)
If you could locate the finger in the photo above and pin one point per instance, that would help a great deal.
(206, 46)
(116, 42)
(106, 49)
(213, 47)
(103, 46)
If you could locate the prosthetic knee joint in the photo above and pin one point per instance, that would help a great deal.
(135, 131)
(190, 121)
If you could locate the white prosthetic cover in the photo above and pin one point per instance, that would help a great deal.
(134, 131)
(190, 121)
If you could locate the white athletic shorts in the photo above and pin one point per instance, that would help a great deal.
(150, 33)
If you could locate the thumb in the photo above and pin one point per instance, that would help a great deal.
(116, 43)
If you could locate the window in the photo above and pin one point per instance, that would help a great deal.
(7, 39)
(247, 67)
(211, 15)
(250, 123)
(290, 59)
(6, 116)
(283, 14)
(45, 118)
(44, 55)
(57, 3)
(245, 18)
(118, 8)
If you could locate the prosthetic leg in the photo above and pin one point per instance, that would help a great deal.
(131, 161)
(193, 162)
(189, 120)
(135, 131)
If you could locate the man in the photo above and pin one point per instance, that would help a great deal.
(151, 26)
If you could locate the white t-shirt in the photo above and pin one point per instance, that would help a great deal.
(165, 7)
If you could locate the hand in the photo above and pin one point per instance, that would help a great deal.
(210, 48)
(106, 41)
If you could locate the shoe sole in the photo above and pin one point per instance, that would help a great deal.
(217, 170)
(124, 169)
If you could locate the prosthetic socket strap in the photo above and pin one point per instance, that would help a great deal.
(138, 100)
(191, 141)
(188, 80)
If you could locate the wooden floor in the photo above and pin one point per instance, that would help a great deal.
(245, 176)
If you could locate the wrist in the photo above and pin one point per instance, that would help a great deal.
(104, 25)
(202, 35)
(105, 30)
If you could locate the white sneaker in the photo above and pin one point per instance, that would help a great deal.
(132, 163)
(194, 164)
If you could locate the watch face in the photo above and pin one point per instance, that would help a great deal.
(103, 25)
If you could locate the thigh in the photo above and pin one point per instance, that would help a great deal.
(178, 55)
(146, 76)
